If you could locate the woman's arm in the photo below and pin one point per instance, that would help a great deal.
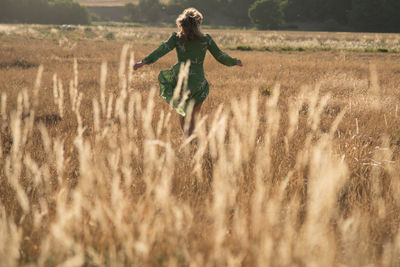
(221, 56)
(138, 65)
(163, 49)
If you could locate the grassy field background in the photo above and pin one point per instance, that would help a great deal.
(295, 160)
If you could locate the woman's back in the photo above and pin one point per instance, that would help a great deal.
(193, 50)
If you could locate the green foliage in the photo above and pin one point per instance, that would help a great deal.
(367, 15)
(361, 15)
(68, 12)
(330, 15)
(43, 12)
(318, 10)
(266, 91)
(267, 14)
(94, 17)
(375, 15)
(383, 50)
(244, 48)
(216, 12)
(239, 11)
(331, 25)
(109, 36)
(150, 11)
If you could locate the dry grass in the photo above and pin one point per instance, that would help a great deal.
(232, 39)
(295, 161)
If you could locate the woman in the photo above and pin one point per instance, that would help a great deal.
(191, 45)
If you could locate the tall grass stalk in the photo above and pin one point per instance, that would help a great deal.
(259, 185)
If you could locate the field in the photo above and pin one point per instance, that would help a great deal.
(295, 160)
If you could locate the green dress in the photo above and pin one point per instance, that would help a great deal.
(194, 51)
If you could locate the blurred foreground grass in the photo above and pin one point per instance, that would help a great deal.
(296, 160)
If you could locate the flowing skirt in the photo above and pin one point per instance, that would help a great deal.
(197, 85)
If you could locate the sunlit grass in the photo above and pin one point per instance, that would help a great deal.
(254, 40)
(295, 160)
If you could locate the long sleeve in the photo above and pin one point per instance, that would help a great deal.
(162, 50)
(219, 55)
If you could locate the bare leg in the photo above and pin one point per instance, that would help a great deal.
(182, 122)
(196, 111)
(192, 124)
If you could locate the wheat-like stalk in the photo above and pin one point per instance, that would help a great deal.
(255, 185)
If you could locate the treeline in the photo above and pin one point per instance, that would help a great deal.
(217, 12)
(359, 15)
(43, 12)
(356, 15)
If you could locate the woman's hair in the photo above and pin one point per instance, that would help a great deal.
(189, 25)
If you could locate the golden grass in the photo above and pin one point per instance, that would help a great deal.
(295, 160)
(232, 39)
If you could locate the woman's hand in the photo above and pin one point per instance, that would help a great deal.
(139, 65)
(239, 63)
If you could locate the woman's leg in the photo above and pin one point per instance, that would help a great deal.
(192, 122)
(182, 122)
(195, 112)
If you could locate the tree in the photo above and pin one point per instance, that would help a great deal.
(43, 11)
(238, 10)
(392, 11)
(375, 15)
(368, 15)
(7, 10)
(68, 12)
(146, 11)
(338, 10)
(318, 10)
(299, 10)
(267, 14)
(212, 9)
